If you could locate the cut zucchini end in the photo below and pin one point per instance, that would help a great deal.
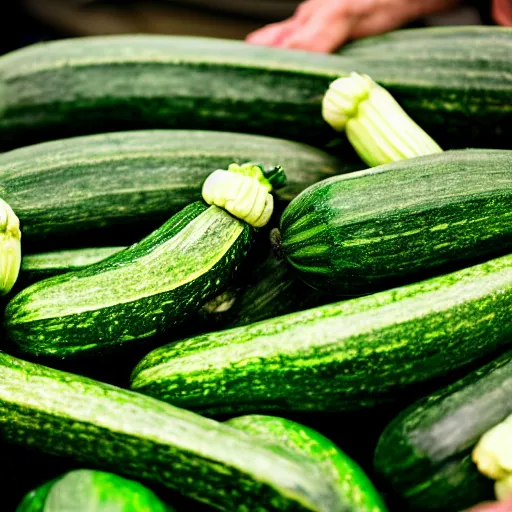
(10, 248)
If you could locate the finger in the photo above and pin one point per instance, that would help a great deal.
(270, 35)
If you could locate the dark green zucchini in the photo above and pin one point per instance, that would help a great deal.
(149, 288)
(393, 224)
(133, 181)
(343, 356)
(112, 429)
(92, 490)
(455, 81)
(353, 485)
(109, 83)
(425, 453)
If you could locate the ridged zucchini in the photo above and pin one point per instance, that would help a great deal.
(92, 490)
(136, 179)
(458, 75)
(341, 356)
(113, 429)
(353, 485)
(146, 289)
(119, 82)
(424, 454)
(397, 223)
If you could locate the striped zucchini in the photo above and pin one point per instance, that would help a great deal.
(136, 179)
(90, 490)
(343, 356)
(120, 82)
(396, 223)
(146, 289)
(113, 429)
(452, 80)
(425, 453)
(353, 485)
(37, 266)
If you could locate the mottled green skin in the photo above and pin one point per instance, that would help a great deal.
(47, 264)
(353, 485)
(110, 83)
(456, 82)
(112, 429)
(92, 491)
(147, 289)
(382, 227)
(341, 356)
(424, 454)
(136, 178)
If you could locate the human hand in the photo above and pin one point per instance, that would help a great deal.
(493, 506)
(324, 25)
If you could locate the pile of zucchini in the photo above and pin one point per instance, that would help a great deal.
(248, 279)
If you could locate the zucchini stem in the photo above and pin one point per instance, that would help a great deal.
(378, 128)
(10, 248)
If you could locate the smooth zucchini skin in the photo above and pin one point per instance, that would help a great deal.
(455, 81)
(85, 85)
(424, 454)
(392, 224)
(343, 356)
(353, 485)
(92, 490)
(136, 179)
(115, 430)
(146, 289)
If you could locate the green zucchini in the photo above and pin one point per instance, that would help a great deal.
(353, 485)
(146, 289)
(425, 453)
(342, 356)
(397, 223)
(454, 81)
(115, 430)
(37, 266)
(109, 83)
(136, 179)
(92, 490)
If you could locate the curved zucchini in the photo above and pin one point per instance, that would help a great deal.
(397, 223)
(117, 430)
(425, 453)
(342, 356)
(84, 85)
(136, 179)
(84, 489)
(146, 289)
(353, 485)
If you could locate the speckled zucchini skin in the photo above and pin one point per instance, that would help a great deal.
(354, 487)
(109, 83)
(382, 227)
(144, 290)
(113, 429)
(137, 179)
(342, 356)
(424, 454)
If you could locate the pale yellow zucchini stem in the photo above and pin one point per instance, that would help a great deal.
(10, 248)
(378, 128)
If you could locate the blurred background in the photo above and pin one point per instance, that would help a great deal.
(29, 21)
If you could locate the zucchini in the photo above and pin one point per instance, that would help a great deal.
(84, 489)
(135, 179)
(425, 453)
(353, 485)
(393, 224)
(110, 83)
(342, 356)
(454, 81)
(150, 287)
(37, 266)
(115, 430)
